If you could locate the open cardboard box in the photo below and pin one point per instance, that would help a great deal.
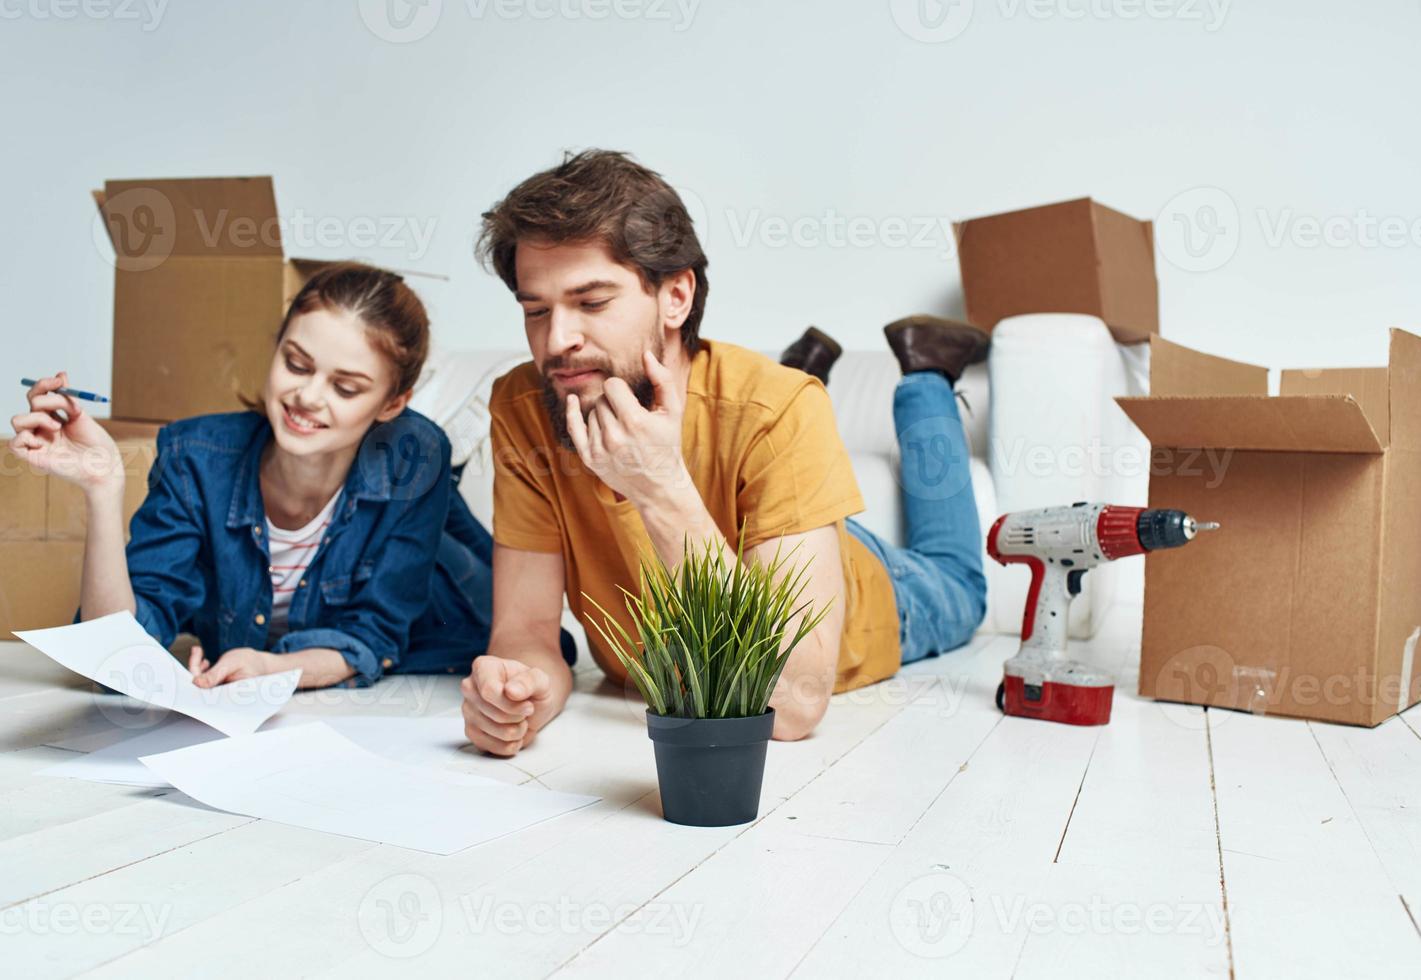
(1073, 257)
(200, 288)
(42, 526)
(1307, 601)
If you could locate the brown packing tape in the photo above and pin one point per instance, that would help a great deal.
(1315, 423)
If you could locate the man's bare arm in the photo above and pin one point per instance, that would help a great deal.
(522, 682)
(802, 695)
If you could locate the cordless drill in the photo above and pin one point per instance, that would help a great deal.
(1060, 544)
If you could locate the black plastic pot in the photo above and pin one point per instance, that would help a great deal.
(710, 769)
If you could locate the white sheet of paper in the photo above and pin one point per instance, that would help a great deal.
(117, 652)
(415, 741)
(312, 776)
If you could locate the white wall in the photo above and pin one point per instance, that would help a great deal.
(1285, 110)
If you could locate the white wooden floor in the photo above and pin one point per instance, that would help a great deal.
(919, 834)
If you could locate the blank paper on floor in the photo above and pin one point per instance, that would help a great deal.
(416, 741)
(311, 776)
(118, 653)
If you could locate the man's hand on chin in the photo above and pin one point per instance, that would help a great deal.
(506, 703)
(633, 450)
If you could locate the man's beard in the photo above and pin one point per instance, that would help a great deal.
(556, 405)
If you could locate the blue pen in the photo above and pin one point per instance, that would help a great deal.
(88, 396)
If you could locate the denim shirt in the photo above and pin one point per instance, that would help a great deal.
(198, 558)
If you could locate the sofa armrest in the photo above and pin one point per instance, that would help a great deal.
(1058, 437)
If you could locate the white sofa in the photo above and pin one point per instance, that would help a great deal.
(1040, 412)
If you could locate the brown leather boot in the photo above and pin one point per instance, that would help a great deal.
(932, 343)
(813, 353)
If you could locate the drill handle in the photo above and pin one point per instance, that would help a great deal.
(1048, 604)
(1058, 545)
(1053, 610)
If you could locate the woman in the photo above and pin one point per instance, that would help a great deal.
(321, 529)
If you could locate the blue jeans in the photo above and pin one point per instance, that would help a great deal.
(462, 592)
(938, 585)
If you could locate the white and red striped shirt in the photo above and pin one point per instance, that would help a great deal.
(291, 554)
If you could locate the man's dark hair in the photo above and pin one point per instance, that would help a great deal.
(601, 196)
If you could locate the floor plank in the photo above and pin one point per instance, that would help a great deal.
(751, 909)
(97, 920)
(759, 904)
(987, 839)
(1379, 773)
(1135, 888)
(919, 833)
(70, 851)
(1308, 895)
(598, 873)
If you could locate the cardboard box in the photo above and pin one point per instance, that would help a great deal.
(42, 526)
(66, 517)
(1307, 601)
(200, 289)
(1073, 257)
(24, 498)
(39, 584)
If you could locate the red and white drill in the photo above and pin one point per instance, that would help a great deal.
(1060, 544)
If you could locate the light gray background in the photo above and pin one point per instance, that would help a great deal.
(1252, 126)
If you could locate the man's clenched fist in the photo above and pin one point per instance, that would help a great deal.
(505, 703)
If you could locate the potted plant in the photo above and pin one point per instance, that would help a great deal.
(710, 647)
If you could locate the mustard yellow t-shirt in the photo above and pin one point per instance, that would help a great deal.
(761, 446)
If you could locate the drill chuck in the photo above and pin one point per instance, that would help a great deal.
(1160, 528)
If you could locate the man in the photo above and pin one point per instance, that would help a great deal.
(627, 431)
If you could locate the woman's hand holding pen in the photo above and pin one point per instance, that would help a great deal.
(58, 437)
